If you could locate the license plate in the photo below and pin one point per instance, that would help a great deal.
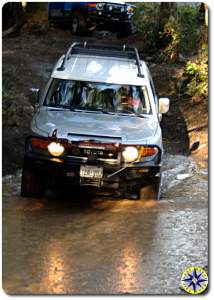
(91, 172)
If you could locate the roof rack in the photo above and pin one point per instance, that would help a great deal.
(102, 50)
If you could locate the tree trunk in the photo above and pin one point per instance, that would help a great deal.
(167, 10)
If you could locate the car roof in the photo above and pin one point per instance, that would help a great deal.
(100, 69)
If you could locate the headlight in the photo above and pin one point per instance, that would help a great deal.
(130, 9)
(110, 8)
(55, 149)
(130, 154)
(100, 6)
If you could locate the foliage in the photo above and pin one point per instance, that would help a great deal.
(184, 30)
(145, 22)
(171, 34)
(179, 35)
(196, 77)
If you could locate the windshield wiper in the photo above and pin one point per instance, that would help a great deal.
(92, 110)
(63, 107)
(104, 111)
(58, 107)
(130, 112)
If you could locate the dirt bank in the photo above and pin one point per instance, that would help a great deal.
(27, 61)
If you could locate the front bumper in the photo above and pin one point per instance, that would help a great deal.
(117, 176)
(110, 13)
(105, 18)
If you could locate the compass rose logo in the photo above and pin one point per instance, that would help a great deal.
(194, 280)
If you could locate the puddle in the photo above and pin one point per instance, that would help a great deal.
(103, 246)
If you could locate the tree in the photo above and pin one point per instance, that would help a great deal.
(167, 12)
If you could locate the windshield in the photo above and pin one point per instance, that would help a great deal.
(113, 98)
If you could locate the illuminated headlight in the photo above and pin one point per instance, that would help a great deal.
(55, 149)
(130, 9)
(110, 8)
(100, 6)
(130, 154)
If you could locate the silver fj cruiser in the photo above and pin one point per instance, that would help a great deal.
(97, 125)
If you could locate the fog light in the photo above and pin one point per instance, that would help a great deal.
(55, 149)
(130, 154)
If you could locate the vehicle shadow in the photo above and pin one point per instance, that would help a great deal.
(175, 132)
(74, 199)
(174, 127)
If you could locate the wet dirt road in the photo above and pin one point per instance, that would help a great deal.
(71, 245)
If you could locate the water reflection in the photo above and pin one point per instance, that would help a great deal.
(67, 245)
(55, 265)
(127, 269)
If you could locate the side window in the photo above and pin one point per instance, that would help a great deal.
(154, 93)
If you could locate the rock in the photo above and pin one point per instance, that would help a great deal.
(7, 178)
(149, 58)
(183, 176)
(181, 58)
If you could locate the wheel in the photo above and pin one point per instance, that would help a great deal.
(152, 191)
(124, 30)
(32, 184)
(78, 24)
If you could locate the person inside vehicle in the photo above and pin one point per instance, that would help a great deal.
(128, 98)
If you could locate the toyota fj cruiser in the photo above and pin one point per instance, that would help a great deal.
(85, 17)
(97, 125)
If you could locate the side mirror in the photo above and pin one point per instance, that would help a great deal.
(163, 105)
(34, 94)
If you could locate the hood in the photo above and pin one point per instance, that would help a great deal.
(82, 125)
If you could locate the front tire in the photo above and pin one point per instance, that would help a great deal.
(33, 184)
(153, 190)
(78, 24)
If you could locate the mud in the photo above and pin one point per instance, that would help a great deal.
(78, 244)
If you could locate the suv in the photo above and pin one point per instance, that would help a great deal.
(97, 125)
(85, 17)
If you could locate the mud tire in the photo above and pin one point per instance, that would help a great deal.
(33, 184)
(78, 25)
(152, 191)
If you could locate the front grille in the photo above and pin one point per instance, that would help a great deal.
(93, 151)
(115, 8)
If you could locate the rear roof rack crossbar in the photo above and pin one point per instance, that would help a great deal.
(102, 50)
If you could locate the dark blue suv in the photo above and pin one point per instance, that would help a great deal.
(84, 17)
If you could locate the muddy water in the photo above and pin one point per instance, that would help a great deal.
(68, 244)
